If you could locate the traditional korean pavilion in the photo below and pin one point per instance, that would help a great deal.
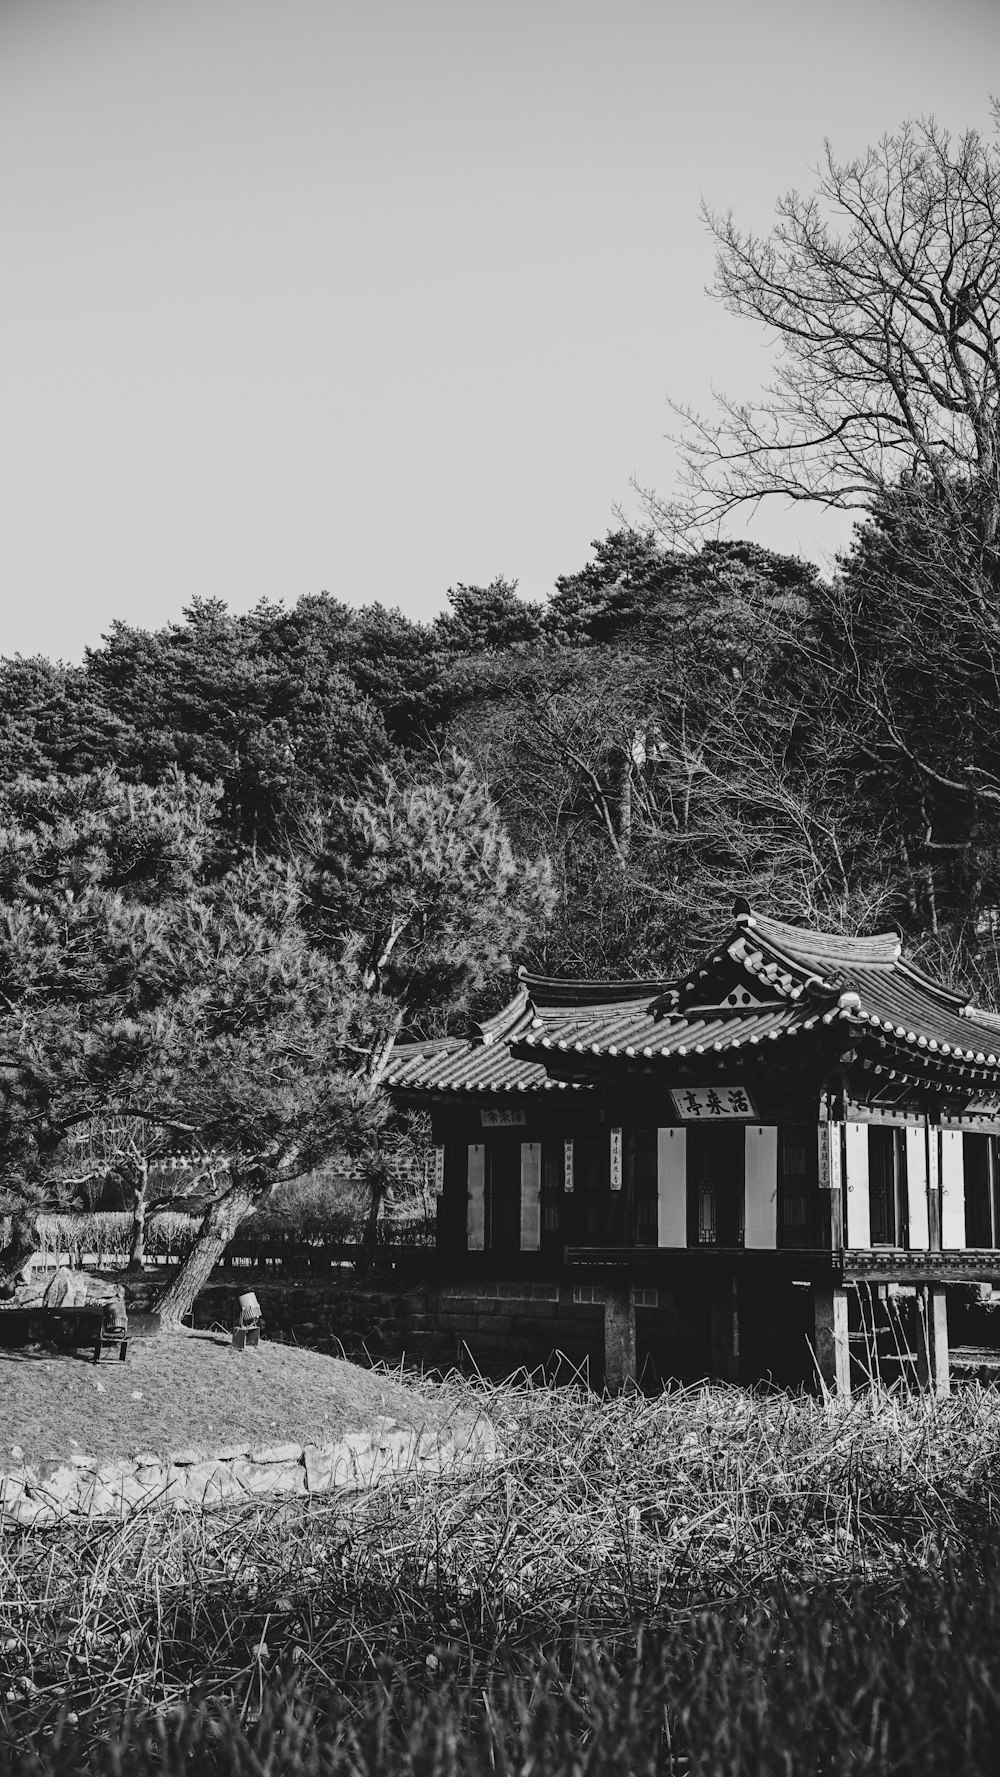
(782, 1157)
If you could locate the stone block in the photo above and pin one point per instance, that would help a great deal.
(231, 1452)
(35, 1514)
(173, 1491)
(496, 1324)
(182, 1458)
(271, 1477)
(137, 1492)
(357, 1442)
(62, 1486)
(211, 1482)
(401, 1447)
(110, 1472)
(11, 1489)
(98, 1499)
(277, 1453)
(329, 1467)
(474, 1441)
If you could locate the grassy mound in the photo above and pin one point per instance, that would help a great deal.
(187, 1391)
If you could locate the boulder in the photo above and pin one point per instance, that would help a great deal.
(68, 1289)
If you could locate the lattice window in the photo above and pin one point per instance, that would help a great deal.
(716, 1179)
(797, 1185)
(887, 1186)
(643, 1143)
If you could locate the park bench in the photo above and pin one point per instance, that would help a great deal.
(102, 1327)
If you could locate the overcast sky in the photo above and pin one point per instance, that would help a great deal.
(374, 296)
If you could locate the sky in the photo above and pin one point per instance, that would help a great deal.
(377, 296)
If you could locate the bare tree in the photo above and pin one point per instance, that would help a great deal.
(881, 292)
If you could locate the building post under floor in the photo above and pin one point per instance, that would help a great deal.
(724, 1327)
(619, 1337)
(933, 1359)
(832, 1348)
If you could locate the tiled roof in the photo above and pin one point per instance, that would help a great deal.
(465, 1067)
(767, 982)
(641, 1029)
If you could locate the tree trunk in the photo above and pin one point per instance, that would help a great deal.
(624, 801)
(376, 1178)
(25, 1241)
(220, 1224)
(137, 1253)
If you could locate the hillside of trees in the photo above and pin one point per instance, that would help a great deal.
(669, 729)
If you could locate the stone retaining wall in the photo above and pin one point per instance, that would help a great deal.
(493, 1326)
(85, 1488)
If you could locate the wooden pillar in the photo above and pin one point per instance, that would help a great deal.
(724, 1327)
(619, 1337)
(933, 1362)
(833, 1352)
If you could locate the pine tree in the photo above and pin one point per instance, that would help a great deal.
(244, 1011)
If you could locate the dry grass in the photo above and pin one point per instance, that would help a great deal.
(186, 1390)
(601, 1515)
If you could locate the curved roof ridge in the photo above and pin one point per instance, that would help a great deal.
(550, 990)
(502, 1023)
(950, 995)
(804, 944)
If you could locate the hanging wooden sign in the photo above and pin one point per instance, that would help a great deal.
(616, 1159)
(567, 1166)
(714, 1104)
(502, 1119)
(829, 1157)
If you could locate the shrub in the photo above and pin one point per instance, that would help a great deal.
(110, 1232)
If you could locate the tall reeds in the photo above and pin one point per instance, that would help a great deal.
(600, 1516)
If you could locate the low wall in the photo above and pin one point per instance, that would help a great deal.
(192, 1480)
(495, 1327)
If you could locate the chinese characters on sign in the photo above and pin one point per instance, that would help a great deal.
(713, 1104)
(567, 1166)
(502, 1119)
(616, 1159)
(829, 1157)
(439, 1170)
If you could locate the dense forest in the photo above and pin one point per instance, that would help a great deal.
(669, 729)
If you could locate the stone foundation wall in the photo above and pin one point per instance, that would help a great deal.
(495, 1327)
